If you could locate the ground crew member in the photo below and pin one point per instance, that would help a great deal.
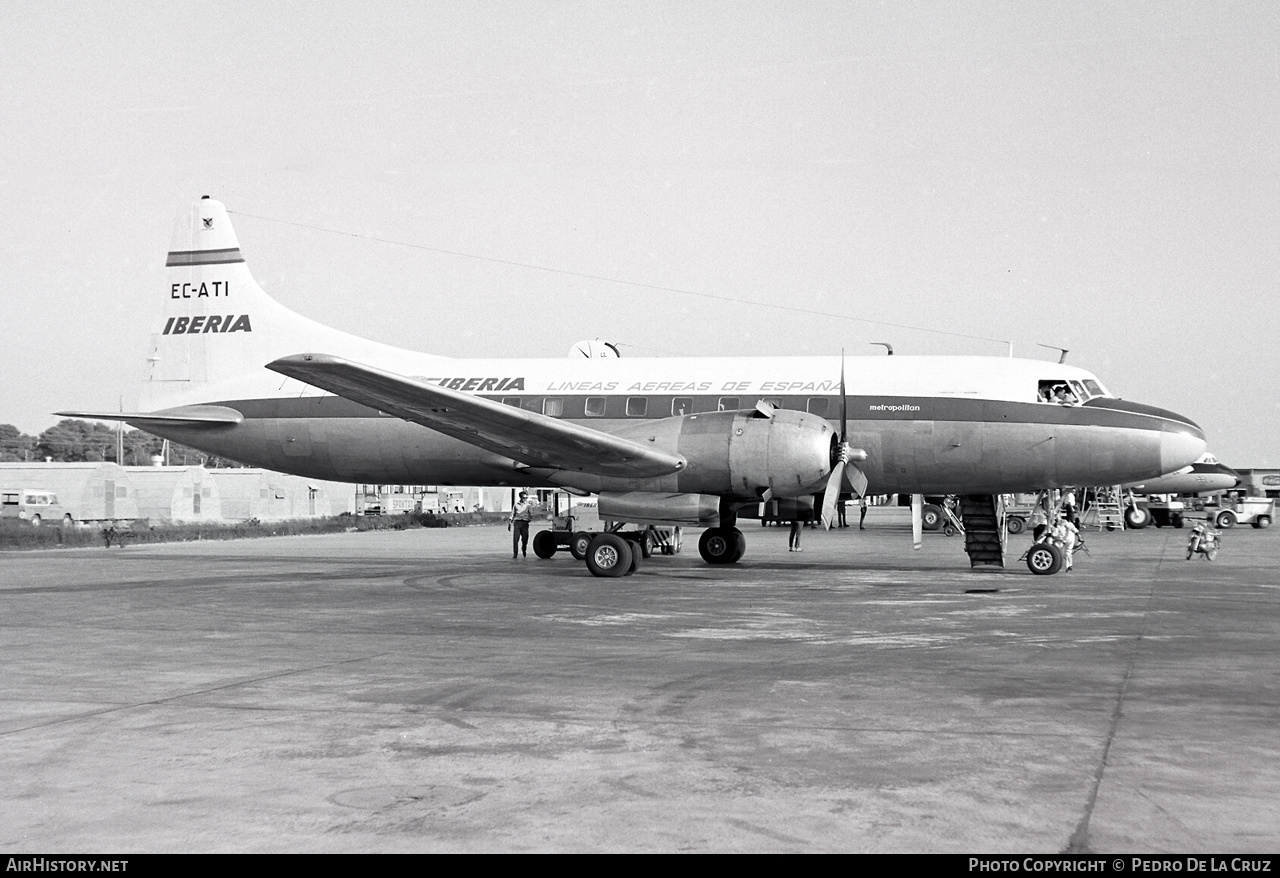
(1069, 505)
(521, 515)
(1069, 534)
(1039, 521)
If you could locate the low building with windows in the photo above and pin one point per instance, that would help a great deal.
(1260, 482)
(66, 493)
(179, 494)
(251, 493)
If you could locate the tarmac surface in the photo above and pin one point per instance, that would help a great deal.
(421, 691)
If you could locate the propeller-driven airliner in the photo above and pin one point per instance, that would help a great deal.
(687, 441)
(1206, 476)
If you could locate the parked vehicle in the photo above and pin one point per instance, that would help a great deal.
(1258, 512)
(33, 506)
(1018, 509)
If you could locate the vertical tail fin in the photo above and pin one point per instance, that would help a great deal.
(219, 328)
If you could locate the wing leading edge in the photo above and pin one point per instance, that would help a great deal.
(531, 438)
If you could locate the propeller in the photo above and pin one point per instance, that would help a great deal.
(842, 456)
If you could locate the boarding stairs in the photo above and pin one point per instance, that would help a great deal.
(984, 534)
(1106, 512)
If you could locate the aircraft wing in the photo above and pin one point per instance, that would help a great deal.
(529, 437)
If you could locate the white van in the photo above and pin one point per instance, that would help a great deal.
(33, 505)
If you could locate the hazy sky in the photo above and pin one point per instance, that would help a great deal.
(1102, 177)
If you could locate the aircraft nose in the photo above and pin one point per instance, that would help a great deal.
(1230, 473)
(1178, 448)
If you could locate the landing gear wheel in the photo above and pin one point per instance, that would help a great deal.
(609, 555)
(1016, 525)
(1226, 520)
(1136, 518)
(673, 542)
(646, 544)
(635, 559)
(715, 545)
(722, 545)
(578, 545)
(930, 517)
(544, 544)
(1044, 559)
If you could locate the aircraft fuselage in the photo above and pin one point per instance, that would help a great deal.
(913, 444)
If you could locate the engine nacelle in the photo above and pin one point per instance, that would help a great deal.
(735, 454)
(788, 452)
(744, 453)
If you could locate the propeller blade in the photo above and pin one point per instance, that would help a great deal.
(844, 403)
(835, 482)
(917, 521)
(856, 477)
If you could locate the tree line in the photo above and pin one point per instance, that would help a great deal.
(73, 441)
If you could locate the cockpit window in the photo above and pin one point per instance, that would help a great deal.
(1057, 390)
(1069, 391)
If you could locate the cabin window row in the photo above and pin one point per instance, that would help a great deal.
(644, 406)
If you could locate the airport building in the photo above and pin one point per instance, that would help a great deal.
(67, 492)
(436, 499)
(1260, 482)
(178, 494)
(91, 492)
(252, 493)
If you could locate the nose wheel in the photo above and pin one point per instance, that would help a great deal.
(1044, 559)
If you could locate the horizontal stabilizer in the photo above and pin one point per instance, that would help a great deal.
(528, 437)
(189, 415)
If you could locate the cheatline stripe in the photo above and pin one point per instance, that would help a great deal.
(936, 409)
(204, 257)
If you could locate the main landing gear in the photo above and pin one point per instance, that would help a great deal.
(611, 555)
(616, 553)
(722, 545)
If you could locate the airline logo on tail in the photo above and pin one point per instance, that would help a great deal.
(203, 324)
